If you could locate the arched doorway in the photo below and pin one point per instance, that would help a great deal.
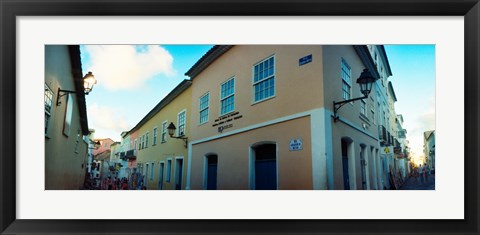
(265, 166)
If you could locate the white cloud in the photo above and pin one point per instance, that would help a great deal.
(127, 67)
(107, 122)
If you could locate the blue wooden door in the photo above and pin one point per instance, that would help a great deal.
(266, 174)
(212, 176)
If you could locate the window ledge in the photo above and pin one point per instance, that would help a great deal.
(364, 118)
(260, 101)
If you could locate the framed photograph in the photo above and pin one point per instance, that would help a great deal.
(32, 199)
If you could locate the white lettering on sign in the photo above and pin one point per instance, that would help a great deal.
(296, 144)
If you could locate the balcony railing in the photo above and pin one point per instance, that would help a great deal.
(382, 133)
(129, 154)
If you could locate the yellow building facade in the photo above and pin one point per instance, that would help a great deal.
(262, 118)
(162, 160)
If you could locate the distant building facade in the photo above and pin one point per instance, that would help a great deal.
(429, 148)
(101, 157)
(161, 160)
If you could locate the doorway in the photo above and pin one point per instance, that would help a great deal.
(160, 175)
(346, 174)
(212, 162)
(265, 167)
(178, 173)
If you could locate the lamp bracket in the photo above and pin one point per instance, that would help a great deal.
(185, 139)
(338, 105)
(60, 95)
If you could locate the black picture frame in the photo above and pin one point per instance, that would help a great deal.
(10, 9)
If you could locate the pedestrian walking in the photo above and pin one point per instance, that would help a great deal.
(109, 183)
(420, 172)
(415, 173)
(426, 172)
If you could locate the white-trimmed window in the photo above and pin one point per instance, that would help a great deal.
(264, 79)
(164, 132)
(48, 106)
(154, 136)
(227, 98)
(204, 107)
(363, 107)
(181, 123)
(68, 115)
(169, 170)
(372, 109)
(135, 144)
(146, 140)
(346, 74)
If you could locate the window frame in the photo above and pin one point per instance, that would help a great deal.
(265, 79)
(363, 108)
(228, 96)
(206, 108)
(146, 139)
(67, 121)
(50, 111)
(343, 64)
(154, 136)
(184, 112)
(164, 132)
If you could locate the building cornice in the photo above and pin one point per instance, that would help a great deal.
(390, 87)
(179, 89)
(207, 59)
(367, 60)
(76, 64)
(383, 54)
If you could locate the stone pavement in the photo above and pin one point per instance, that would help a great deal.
(417, 184)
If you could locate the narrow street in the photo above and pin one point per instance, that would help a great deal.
(418, 184)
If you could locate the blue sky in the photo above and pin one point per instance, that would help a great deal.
(150, 74)
(132, 79)
(413, 79)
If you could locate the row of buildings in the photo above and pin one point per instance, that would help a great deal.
(263, 117)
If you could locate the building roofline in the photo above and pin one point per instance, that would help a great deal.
(390, 87)
(104, 139)
(76, 64)
(383, 54)
(427, 134)
(366, 58)
(207, 59)
(179, 89)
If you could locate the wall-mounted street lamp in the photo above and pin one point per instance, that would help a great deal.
(171, 130)
(88, 82)
(365, 81)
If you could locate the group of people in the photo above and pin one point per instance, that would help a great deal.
(114, 184)
(422, 172)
